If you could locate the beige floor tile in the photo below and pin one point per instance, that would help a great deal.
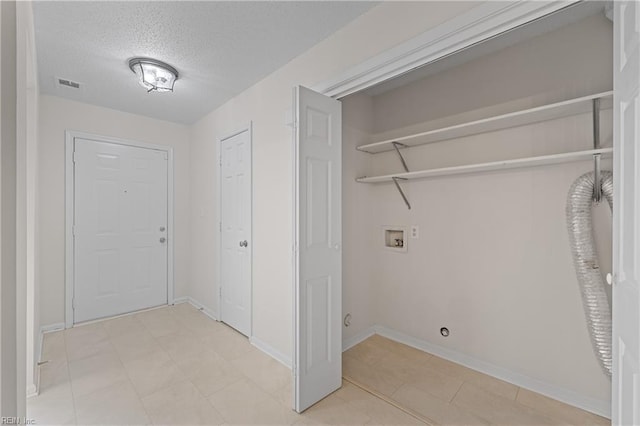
(54, 346)
(558, 411)
(208, 371)
(132, 346)
(53, 406)
(123, 325)
(370, 351)
(335, 411)
(496, 409)
(435, 383)
(162, 325)
(434, 409)
(181, 346)
(408, 353)
(86, 341)
(465, 374)
(380, 412)
(375, 378)
(182, 309)
(200, 325)
(152, 373)
(228, 343)
(54, 372)
(244, 402)
(117, 404)
(266, 372)
(181, 403)
(430, 380)
(284, 395)
(96, 372)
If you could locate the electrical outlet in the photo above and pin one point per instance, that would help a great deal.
(415, 232)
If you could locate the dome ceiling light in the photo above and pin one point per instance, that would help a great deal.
(154, 75)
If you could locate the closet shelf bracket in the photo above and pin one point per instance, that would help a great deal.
(397, 146)
(597, 184)
(404, 197)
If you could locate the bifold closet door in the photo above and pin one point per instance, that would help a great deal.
(625, 408)
(318, 251)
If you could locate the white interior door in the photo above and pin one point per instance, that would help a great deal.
(120, 229)
(235, 287)
(318, 238)
(626, 216)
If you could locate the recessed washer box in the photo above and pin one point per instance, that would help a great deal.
(395, 238)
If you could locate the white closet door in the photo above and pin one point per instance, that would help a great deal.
(318, 280)
(120, 229)
(626, 216)
(235, 160)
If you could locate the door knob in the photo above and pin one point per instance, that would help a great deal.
(163, 239)
(244, 243)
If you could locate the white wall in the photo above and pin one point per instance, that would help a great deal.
(265, 104)
(58, 115)
(27, 191)
(11, 399)
(493, 262)
(357, 220)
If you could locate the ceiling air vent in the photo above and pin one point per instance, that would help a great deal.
(68, 83)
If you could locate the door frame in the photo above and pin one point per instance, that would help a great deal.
(476, 25)
(480, 23)
(70, 136)
(245, 128)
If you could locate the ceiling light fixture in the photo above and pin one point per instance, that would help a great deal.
(154, 75)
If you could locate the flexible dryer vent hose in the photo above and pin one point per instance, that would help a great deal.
(585, 260)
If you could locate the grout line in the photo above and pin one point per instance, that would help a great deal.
(458, 391)
(73, 396)
(389, 401)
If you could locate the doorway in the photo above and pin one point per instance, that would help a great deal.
(119, 227)
(352, 83)
(236, 243)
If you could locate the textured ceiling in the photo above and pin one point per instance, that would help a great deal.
(219, 48)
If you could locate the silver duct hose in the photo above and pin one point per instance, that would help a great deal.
(585, 260)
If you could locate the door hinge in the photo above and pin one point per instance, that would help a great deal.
(166, 156)
(220, 293)
(73, 303)
(220, 223)
(74, 157)
(73, 230)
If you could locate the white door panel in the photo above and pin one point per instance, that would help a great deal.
(235, 308)
(626, 216)
(120, 206)
(318, 280)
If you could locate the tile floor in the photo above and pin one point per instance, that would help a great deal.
(174, 365)
(443, 392)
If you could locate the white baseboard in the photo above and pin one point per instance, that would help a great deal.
(52, 327)
(205, 310)
(362, 336)
(32, 390)
(601, 408)
(271, 351)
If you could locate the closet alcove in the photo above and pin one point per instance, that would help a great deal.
(492, 139)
